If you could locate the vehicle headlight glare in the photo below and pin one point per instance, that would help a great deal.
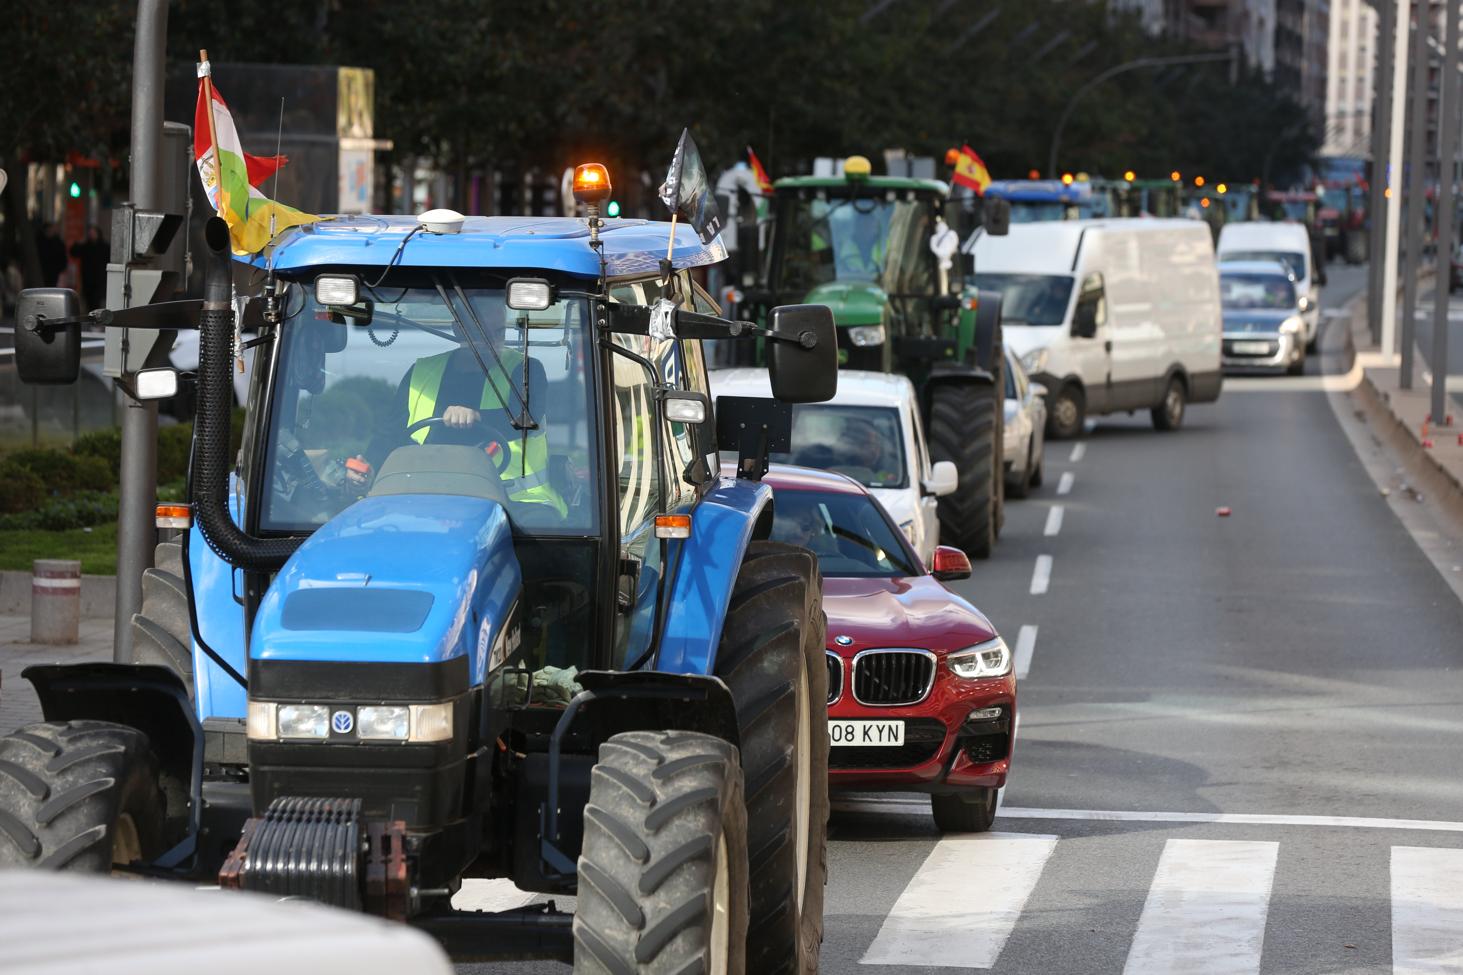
(304, 721)
(865, 336)
(383, 723)
(989, 659)
(431, 722)
(1034, 360)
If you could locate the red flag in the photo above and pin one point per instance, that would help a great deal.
(259, 168)
(970, 171)
(764, 182)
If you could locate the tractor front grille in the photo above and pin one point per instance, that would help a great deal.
(887, 678)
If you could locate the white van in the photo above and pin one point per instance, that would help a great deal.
(1109, 315)
(1286, 242)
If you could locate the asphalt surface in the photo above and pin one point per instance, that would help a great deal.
(1200, 689)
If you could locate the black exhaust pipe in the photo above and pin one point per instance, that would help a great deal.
(211, 425)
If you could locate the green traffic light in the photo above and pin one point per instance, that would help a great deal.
(75, 190)
(613, 210)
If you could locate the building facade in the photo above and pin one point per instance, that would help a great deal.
(1350, 78)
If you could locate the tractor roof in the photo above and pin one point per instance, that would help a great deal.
(874, 182)
(631, 247)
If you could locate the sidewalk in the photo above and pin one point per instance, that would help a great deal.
(18, 704)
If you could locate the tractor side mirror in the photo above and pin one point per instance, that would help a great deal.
(802, 355)
(996, 216)
(48, 336)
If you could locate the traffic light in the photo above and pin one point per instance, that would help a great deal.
(612, 209)
(74, 190)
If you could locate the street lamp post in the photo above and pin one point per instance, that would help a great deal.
(1114, 72)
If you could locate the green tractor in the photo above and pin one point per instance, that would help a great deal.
(879, 252)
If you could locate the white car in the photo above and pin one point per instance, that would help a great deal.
(1025, 430)
(1290, 244)
(870, 432)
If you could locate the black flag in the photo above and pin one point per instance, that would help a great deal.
(686, 191)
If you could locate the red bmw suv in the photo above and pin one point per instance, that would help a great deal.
(921, 694)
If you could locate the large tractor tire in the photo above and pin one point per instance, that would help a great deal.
(771, 658)
(663, 869)
(964, 429)
(162, 632)
(79, 796)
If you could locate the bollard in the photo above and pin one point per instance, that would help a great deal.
(55, 601)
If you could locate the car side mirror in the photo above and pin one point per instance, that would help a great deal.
(950, 564)
(48, 336)
(943, 479)
(802, 353)
(995, 216)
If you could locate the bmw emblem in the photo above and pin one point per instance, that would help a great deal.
(843, 641)
(342, 722)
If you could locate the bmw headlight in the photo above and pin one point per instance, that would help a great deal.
(1034, 361)
(989, 659)
(1292, 325)
(865, 336)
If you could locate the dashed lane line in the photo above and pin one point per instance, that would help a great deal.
(1078, 449)
(1065, 485)
(1025, 648)
(1041, 576)
(1053, 520)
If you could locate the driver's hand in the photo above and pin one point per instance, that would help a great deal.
(359, 472)
(458, 417)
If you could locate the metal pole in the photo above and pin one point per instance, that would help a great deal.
(1381, 161)
(1416, 193)
(137, 492)
(1394, 178)
(1447, 153)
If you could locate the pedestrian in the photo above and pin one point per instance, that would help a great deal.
(92, 254)
(51, 250)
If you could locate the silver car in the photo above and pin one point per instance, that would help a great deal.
(1025, 441)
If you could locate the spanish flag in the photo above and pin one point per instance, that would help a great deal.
(764, 182)
(230, 174)
(970, 171)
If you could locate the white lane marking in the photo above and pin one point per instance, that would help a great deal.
(897, 805)
(1053, 520)
(1427, 911)
(942, 922)
(498, 894)
(1025, 647)
(1205, 913)
(1065, 485)
(1041, 576)
(1078, 449)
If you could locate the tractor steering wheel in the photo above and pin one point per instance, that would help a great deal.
(495, 444)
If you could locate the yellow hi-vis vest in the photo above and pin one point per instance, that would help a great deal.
(526, 476)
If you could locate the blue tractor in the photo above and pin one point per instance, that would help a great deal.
(471, 600)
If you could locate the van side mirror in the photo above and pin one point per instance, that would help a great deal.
(48, 336)
(802, 353)
(996, 216)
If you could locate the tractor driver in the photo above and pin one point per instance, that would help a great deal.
(475, 408)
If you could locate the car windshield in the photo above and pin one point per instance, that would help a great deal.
(1294, 262)
(353, 401)
(1030, 299)
(826, 240)
(861, 442)
(848, 533)
(1251, 291)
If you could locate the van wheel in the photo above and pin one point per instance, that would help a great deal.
(1169, 414)
(1067, 413)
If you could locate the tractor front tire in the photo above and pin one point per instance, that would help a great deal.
(771, 658)
(963, 429)
(663, 869)
(80, 796)
(162, 630)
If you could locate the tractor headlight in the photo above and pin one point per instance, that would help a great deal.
(431, 722)
(303, 721)
(387, 723)
(1034, 361)
(261, 725)
(865, 336)
(336, 289)
(989, 659)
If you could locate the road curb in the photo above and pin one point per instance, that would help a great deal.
(98, 595)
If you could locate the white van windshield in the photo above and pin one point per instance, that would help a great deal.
(1250, 291)
(1030, 299)
(1292, 260)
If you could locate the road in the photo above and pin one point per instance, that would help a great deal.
(1241, 738)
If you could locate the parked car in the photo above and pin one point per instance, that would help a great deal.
(1025, 430)
(921, 693)
(1263, 328)
(870, 431)
(1109, 315)
(1288, 242)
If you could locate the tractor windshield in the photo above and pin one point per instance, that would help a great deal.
(439, 364)
(850, 239)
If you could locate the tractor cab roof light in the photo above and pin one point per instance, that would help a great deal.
(592, 183)
(529, 294)
(339, 290)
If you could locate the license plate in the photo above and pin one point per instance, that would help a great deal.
(885, 734)
(1252, 348)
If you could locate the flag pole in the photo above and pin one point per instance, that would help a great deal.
(205, 72)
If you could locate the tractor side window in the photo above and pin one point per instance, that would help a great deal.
(641, 489)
